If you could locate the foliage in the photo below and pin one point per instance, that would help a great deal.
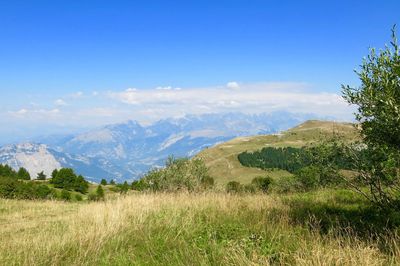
(179, 174)
(12, 188)
(54, 173)
(78, 197)
(124, 187)
(234, 187)
(112, 182)
(7, 171)
(100, 193)
(308, 177)
(378, 112)
(41, 176)
(138, 185)
(66, 179)
(23, 174)
(103, 182)
(269, 157)
(262, 183)
(293, 159)
(65, 195)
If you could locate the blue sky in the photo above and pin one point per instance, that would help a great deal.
(66, 65)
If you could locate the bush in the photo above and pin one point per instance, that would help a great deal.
(15, 189)
(103, 182)
(78, 197)
(65, 195)
(262, 183)
(308, 177)
(138, 185)
(234, 187)
(287, 184)
(100, 193)
(179, 174)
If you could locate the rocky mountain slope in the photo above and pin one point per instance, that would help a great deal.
(127, 150)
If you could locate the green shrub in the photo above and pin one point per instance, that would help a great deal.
(65, 195)
(138, 185)
(262, 183)
(179, 174)
(78, 197)
(100, 193)
(234, 187)
(103, 182)
(287, 184)
(309, 177)
(92, 197)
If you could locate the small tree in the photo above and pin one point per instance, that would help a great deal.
(23, 174)
(54, 173)
(41, 176)
(378, 112)
(112, 182)
(103, 182)
(100, 193)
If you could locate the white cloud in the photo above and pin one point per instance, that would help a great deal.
(35, 113)
(233, 85)
(250, 98)
(60, 102)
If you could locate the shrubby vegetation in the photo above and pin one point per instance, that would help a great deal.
(12, 188)
(378, 113)
(178, 175)
(66, 178)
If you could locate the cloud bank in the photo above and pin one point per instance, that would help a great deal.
(96, 108)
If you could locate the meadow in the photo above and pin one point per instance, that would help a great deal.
(323, 227)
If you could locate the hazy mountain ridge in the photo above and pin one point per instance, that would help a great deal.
(127, 150)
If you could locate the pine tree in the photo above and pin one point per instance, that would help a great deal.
(23, 174)
(41, 176)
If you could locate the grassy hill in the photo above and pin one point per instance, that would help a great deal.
(222, 159)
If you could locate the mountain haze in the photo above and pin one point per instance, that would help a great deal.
(127, 150)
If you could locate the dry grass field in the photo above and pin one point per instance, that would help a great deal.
(186, 229)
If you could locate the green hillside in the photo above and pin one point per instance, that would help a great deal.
(222, 159)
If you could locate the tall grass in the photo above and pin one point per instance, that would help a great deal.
(177, 229)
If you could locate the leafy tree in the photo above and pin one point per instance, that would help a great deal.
(7, 171)
(99, 193)
(103, 182)
(67, 179)
(378, 113)
(179, 174)
(81, 185)
(41, 176)
(23, 174)
(54, 173)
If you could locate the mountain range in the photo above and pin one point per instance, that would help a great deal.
(125, 151)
